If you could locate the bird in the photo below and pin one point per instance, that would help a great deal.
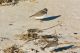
(40, 14)
(52, 41)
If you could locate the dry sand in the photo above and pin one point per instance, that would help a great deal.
(15, 20)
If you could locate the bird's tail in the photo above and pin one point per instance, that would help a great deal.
(31, 16)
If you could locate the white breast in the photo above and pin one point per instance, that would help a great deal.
(41, 17)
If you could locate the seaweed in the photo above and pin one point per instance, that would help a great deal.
(13, 49)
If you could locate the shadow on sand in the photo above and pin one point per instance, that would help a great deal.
(63, 48)
(50, 18)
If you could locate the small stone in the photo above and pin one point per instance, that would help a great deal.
(75, 33)
(10, 24)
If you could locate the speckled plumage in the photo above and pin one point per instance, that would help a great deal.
(40, 13)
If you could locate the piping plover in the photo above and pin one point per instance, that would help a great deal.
(40, 14)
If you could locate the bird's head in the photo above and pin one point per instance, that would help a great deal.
(45, 9)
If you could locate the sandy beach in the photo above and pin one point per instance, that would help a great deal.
(15, 20)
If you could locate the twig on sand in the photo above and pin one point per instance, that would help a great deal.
(59, 24)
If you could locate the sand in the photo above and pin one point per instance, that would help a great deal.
(15, 20)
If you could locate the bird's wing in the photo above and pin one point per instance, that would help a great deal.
(39, 13)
